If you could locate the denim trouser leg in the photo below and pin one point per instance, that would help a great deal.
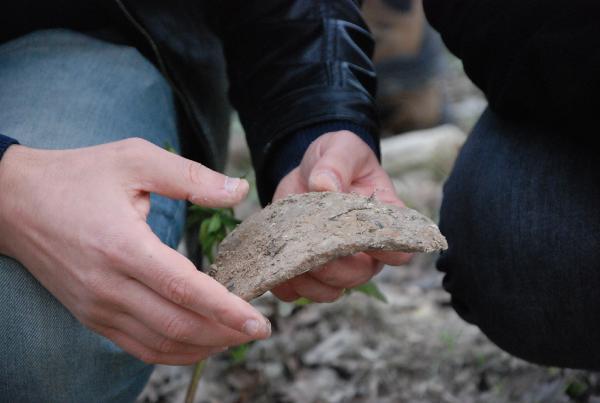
(521, 212)
(60, 89)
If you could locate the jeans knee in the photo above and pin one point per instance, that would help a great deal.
(82, 91)
(47, 355)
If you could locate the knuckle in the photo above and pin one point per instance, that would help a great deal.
(177, 329)
(136, 143)
(114, 247)
(222, 311)
(178, 291)
(99, 292)
(144, 247)
(166, 345)
(130, 151)
(193, 172)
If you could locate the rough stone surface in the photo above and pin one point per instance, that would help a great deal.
(301, 232)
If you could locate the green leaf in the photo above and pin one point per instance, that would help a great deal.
(371, 290)
(302, 301)
(203, 233)
(576, 389)
(230, 222)
(214, 223)
(201, 209)
(238, 354)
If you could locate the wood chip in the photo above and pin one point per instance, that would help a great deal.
(302, 232)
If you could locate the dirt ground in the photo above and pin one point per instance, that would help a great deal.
(414, 348)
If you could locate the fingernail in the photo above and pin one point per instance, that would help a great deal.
(251, 327)
(231, 184)
(326, 180)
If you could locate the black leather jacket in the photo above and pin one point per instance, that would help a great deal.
(290, 63)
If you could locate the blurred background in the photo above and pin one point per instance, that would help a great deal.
(412, 347)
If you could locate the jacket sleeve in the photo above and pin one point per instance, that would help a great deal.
(6, 142)
(536, 60)
(295, 64)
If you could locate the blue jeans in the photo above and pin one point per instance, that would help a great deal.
(60, 89)
(521, 213)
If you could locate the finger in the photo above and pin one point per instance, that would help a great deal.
(174, 277)
(151, 356)
(378, 184)
(333, 163)
(311, 288)
(391, 258)
(347, 272)
(154, 341)
(291, 184)
(160, 171)
(170, 322)
(285, 292)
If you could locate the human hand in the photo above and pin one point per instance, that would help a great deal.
(76, 219)
(342, 162)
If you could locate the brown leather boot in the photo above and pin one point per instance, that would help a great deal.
(409, 60)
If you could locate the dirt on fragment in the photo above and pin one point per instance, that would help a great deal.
(301, 232)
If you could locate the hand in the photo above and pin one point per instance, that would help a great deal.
(76, 219)
(341, 162)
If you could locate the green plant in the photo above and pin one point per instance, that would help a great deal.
(370, 289)
(215, 224)
(577, 389)
(237, 354)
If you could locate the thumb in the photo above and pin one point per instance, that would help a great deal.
(334, 163)
(160, 171)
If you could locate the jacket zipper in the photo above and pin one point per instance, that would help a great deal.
(163, 68)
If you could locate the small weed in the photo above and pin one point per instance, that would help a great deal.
(237, 355)
(370, 289)
(577, 389)
(215, 224)
(449, 339)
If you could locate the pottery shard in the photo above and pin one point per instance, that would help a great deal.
(301, 232)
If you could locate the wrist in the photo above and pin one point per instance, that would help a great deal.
(5, 143)
(12, 165)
